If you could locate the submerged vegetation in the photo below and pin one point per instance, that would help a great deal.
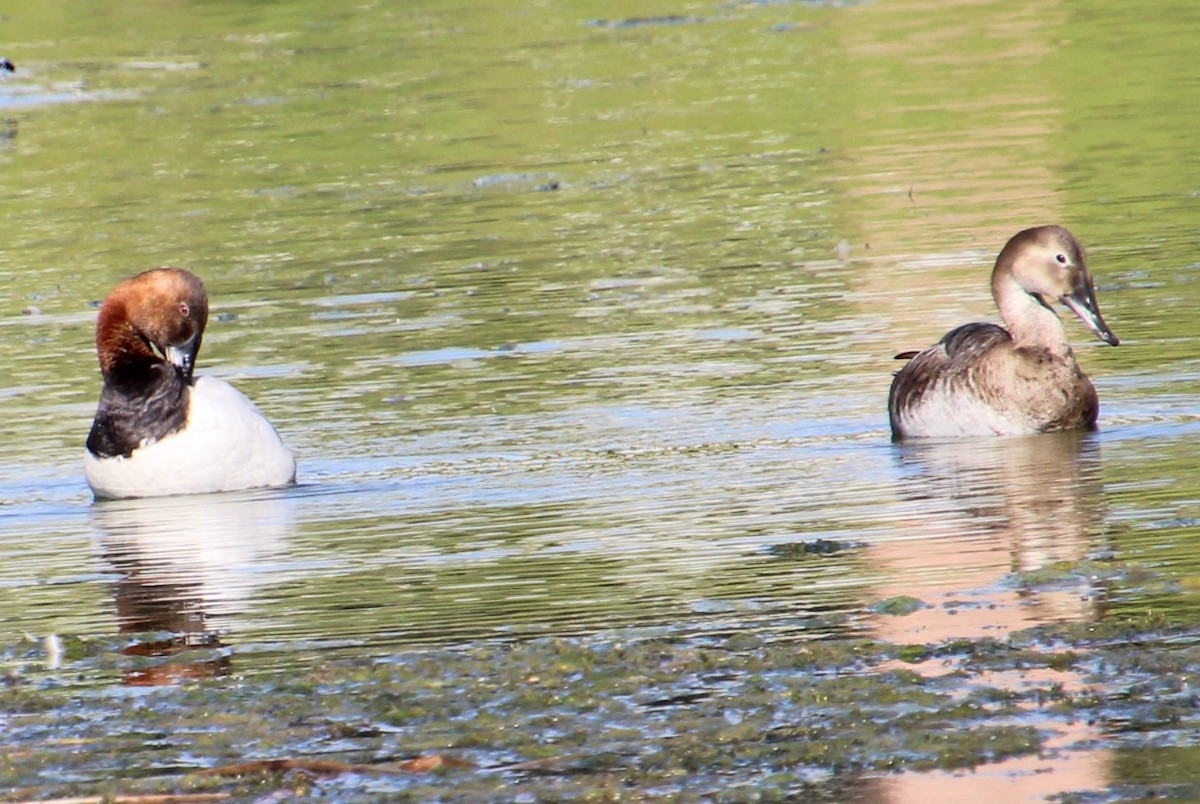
(602, 717)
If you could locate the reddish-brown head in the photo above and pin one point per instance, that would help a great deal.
(159, 314)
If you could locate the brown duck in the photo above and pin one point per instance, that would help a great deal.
(982, 379)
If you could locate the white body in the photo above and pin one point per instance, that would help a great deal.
(943, 413)
(226, 445)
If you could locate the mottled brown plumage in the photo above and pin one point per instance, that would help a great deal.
(981, 379)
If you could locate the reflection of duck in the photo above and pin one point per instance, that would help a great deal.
(998, 507)
(981, 379)
(986, 509)
(184, 579)
(157, 431)
(1035, 491)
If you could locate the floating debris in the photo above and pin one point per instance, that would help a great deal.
(819, 547)
(645, 22)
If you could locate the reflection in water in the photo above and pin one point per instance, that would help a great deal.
(1033, 778)
(188, 565)
(988, 508)
(1039, 491)
(982, 509)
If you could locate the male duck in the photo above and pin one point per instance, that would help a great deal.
(157, 430)
(981, 379)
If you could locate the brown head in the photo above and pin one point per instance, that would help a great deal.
(1049, 264)
(159, 314)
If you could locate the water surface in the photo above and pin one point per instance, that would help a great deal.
(581, 319)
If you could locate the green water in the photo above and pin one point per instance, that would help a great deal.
(579, 317)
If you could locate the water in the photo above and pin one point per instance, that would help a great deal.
(581, 319)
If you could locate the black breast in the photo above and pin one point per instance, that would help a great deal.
(140, 403)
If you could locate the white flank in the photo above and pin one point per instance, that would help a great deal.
(226, 445)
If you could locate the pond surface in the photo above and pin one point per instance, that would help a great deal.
(580, 322)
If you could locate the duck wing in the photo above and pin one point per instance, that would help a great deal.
(966, 344)
(942, 370)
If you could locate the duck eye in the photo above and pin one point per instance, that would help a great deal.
(1062, 258)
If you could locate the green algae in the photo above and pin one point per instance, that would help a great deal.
(899, 605)
(597, 718)
(727, 717)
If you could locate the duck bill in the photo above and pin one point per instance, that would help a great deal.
(183, 355)
(1082, 302)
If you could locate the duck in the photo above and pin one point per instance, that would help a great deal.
(158, 429)
(982, 379)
